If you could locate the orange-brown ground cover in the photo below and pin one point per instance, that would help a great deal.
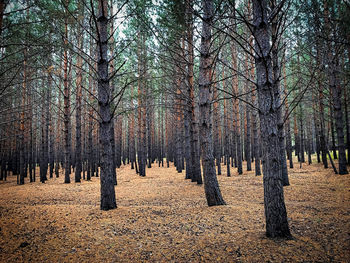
(164, 218)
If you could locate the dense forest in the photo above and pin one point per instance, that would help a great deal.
(211, 88)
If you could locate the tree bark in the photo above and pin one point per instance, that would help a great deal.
(66, 117)
(194, 137)
(236, 118)
(338, 113)
(275, 210)
(276, 76)
(216, 118)
(211, 185)
(78, 147)
(287, 126)
(108, 200)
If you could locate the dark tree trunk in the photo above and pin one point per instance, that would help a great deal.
(132, 155)
(44, 138)
(237, 146)
(78, 147)
(277, 90)
(196, 168)
(256, 141)
(334, 148)
(302, 141)
(226, 131)
(114, 154)
(66, 112)
(90, 162)
(149, 131)
(275, 210)
(248, 138)
(179, 128)
(316, 128)
(22, 121)
(338, 113)
(347, 123)
(287, 126)
(309, 142)
(108, 200)
(216, 118)
(187, 119)
(323, 144)
(211, 185)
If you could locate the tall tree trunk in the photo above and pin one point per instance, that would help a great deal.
(287, 127)
(211, 185)
(179, 135)
(338, 113)
(275, 210)
(276, 76)
(236, 118)
(302, 141)
(66, 95)
(323, 144)
(226, 130)
(43, 151)
(108, 200)
(247, 120)
(194, 137)
(216, 118)
(347, 123)
(112, 137)
(132, 155)
(252, 76)
(22, 121)
(51, 131)
(78, 147)
(334, 148)
(187, 120)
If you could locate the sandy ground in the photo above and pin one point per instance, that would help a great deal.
(164, 218)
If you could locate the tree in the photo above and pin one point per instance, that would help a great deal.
(108, 200)
(275, 209)
(211, 185)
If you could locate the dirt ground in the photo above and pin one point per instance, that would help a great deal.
(164, 218)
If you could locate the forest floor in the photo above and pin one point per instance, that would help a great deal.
(164, 218)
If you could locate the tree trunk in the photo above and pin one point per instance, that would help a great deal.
(211, 185)
(132, 131)
(336, 89)
(323, 144)
(247, 120)
(108, 200)
(276, 87)
(287, 126)
(334, 148)
(66, 117)
(347, 123)
(236, 118)
(78, 147)
(275, 210)
(194, 137)
(226, 131)
(252, 75)
(23, 124)
(216, 118)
